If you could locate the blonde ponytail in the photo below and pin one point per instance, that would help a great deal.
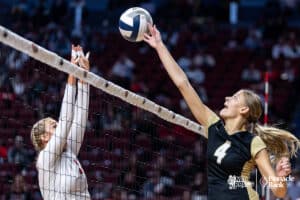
(279, 142)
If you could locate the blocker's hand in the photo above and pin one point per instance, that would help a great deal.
(74, 54)
(83, 60)
(153, 38)
(72, 79)
(283, 167)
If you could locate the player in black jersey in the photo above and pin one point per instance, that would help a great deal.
(236, 143)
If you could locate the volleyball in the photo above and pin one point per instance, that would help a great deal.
(133, 23)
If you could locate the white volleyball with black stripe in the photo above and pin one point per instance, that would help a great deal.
(133, 23)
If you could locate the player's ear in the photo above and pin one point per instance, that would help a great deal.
(244, 110)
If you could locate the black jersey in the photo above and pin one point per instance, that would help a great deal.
(230, 161)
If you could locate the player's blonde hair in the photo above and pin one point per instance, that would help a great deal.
(279, 142)
(39, 129)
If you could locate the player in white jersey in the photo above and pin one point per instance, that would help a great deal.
(60, 174)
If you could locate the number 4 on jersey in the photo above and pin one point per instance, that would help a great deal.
(220, 152)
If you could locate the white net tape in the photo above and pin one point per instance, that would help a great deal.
(43, 55)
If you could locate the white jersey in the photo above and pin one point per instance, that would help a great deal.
(60, 174)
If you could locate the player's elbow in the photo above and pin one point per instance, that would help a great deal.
(280, 192)
(182, 83)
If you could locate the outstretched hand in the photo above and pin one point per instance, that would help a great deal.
(72, 79)
(74, 54)
(153, 38)
(83, 60)
(283, 167)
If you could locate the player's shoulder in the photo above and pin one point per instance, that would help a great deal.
(217, 122)
(43, 160)
(216, 128)
(252, 139)
(257, 144)
(252, 142)
(213, 119)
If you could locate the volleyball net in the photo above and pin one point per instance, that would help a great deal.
(132, 146)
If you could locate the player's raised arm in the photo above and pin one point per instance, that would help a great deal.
(78, 126)
(202, 113)
(57, 142)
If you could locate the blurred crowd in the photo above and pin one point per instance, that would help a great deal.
(205, 48)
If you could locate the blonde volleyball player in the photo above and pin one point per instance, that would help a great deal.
(60, 174)
(233, 148)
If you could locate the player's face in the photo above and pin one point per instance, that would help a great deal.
(233, 106)
(50, 130)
